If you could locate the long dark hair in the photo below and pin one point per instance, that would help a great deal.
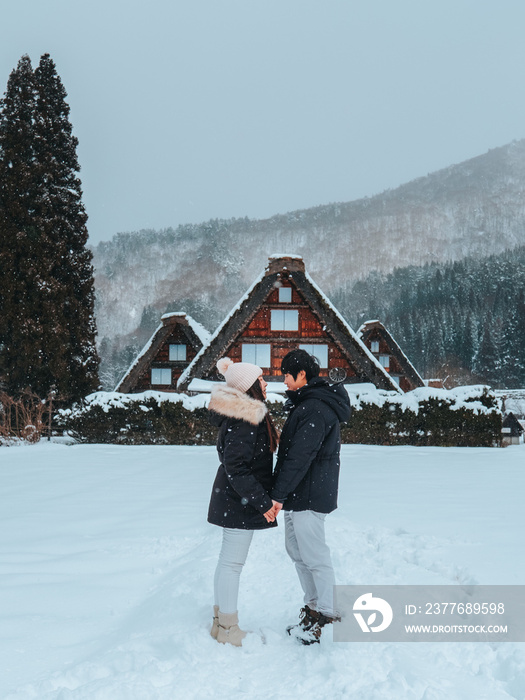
(256, 392)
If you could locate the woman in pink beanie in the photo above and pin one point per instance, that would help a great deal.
(239, 501)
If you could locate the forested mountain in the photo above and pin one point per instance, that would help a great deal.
(459, 320)
(475, 209)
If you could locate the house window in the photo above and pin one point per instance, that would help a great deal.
(285, 294)
(385, 361)
(177, 353)
(257, 353)
(319, 351)
(285, 320)
(160, 376)
(396, 379)
(375, 346)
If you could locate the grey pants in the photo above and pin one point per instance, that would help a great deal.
(305, 543)
(234, 550)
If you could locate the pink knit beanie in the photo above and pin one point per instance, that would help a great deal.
(239, 375)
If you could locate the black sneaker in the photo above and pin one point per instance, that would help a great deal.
(312, 635)
(307, 617)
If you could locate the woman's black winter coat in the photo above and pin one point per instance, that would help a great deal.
(307, 469)
(240, 493)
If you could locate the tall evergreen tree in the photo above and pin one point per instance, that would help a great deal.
(519, 321)
(51, 340)
(513, 346)
(487, 360)
(466, 345)
(19, 244)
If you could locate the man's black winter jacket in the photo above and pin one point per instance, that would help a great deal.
(307, 469)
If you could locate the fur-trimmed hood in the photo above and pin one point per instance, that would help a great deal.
(232, 403)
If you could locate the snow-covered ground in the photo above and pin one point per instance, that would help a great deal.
(106, 567)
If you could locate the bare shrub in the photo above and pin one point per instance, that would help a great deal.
(24, 417)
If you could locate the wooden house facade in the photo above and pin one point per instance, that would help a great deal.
(388, 353)
(169, 351)
(283, 310)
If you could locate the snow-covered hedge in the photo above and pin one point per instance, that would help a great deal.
(468, 416)
(152, 417)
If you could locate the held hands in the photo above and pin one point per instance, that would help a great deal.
(276, 506)
(271, 514)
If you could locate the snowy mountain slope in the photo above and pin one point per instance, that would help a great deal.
(107, 562)
(476, 208)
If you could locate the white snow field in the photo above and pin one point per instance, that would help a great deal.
(107, 561)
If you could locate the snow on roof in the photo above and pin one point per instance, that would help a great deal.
(202, 334)
(362, 326)
(276, 256)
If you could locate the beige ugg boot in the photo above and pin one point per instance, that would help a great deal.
(215, 624)
(229, 631)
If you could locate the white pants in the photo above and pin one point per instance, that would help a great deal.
(305, 543)
(234, 550)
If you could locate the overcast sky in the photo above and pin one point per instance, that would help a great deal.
(187, 111)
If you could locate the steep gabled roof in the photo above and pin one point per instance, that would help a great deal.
(366, 366)
(196, 333)
(408, 368)
(513, 424)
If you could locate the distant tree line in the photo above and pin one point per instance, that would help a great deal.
(463, 320)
